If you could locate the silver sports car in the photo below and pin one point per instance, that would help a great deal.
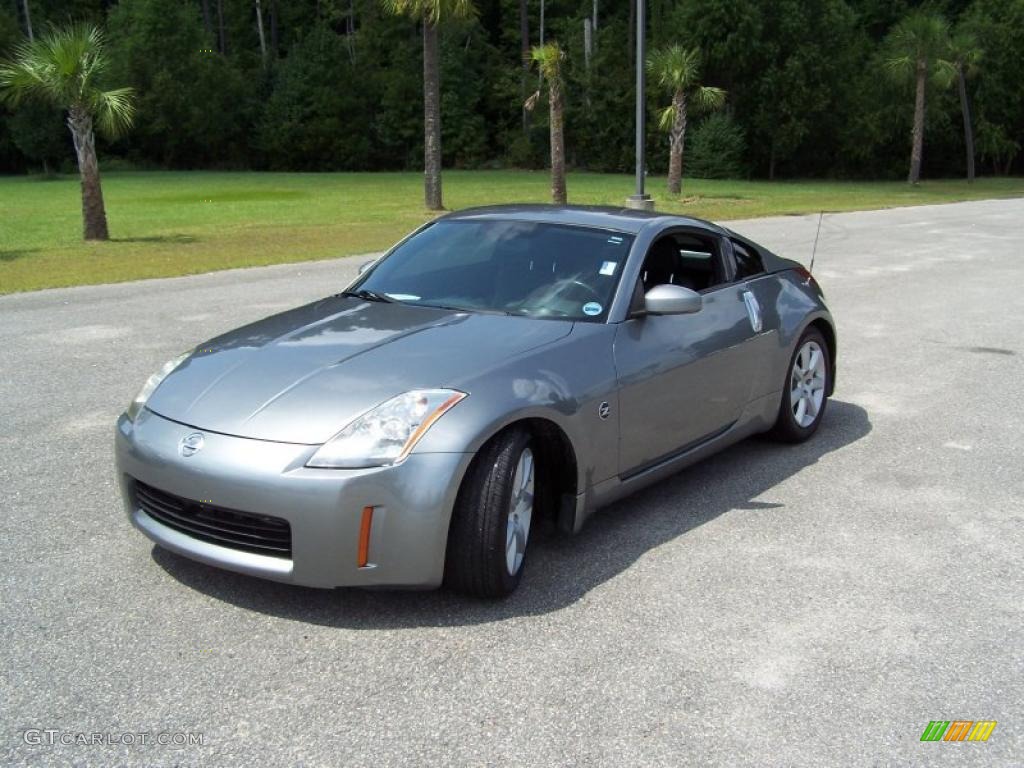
(497, 366)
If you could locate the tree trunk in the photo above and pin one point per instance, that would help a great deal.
(207, 18)
(916, 151)
(631, 40)
(557, 144)
(259, 26)
(588, 42)
(275, 42)
(28, 20)
(431, 117)
(524, 50)
(222, 38)
(350, 31)
(676, 139)
(965, 107)
(94, 215)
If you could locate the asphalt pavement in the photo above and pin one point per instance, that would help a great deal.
(814, 605)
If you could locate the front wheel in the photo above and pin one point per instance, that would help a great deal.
(490, 525)
(805, 393)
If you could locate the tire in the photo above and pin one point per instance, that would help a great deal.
(797, 422)
(494, 509)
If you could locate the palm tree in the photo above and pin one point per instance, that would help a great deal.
(64, 67)
(916, 45)
(549, 58)
(431, 13)
(964, 55)
(677, 70)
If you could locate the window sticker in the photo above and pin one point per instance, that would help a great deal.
(608, 268)
(615, 240)
(592, 308)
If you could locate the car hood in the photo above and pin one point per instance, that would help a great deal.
(302, 375)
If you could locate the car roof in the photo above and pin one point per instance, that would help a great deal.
(602, 217)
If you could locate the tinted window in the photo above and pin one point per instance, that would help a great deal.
(542, 270)
(748, 261)
(682, 259)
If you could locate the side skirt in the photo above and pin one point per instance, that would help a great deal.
(759, 416)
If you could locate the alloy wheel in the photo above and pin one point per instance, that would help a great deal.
(807, 384)
(520, 512)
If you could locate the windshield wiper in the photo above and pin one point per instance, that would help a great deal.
(367, 295)
(467, 310)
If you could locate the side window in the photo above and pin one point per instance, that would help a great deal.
(748, 261)
(685, 259)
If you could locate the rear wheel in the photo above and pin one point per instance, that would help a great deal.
(804, 395)
(491, 522)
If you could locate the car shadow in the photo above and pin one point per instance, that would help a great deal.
(561, 569)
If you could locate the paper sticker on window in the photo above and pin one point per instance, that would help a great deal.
(608, 268)
(592, 308)
(615, 240)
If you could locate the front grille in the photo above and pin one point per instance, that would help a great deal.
(260, 534)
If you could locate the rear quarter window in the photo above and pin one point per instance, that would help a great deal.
(748, 261)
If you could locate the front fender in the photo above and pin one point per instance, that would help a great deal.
(565, 383)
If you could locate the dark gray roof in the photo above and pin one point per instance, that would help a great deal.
(603, 217)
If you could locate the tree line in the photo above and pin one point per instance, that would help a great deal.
(743, 88)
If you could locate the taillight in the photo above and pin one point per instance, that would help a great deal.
(806, 276)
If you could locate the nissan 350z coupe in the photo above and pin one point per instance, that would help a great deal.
(497, 365)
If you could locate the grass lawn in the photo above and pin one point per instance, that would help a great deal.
(167, 223)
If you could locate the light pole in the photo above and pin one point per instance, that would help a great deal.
(640, 200)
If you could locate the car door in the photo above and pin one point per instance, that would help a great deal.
(761, 293)
(683, 379)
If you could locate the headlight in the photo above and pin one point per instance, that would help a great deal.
(152, 383)
(388, 433)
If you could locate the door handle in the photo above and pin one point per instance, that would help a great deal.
(753, 311)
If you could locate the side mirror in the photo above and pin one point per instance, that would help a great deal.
(366, 265)
(672, 300)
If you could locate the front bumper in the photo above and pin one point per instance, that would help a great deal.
(412, 504)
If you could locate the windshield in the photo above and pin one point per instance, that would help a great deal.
(514, 267)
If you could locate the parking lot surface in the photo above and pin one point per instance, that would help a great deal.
(813, 605)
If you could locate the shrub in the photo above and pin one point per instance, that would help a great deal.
(717, 149)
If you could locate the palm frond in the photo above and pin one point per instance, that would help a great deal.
(707, 98)
(965, 51)
(114, 111)
(674, 67)
(26, 74)
(434, 11)
(62, 66)
(531, 103)
(667, 118)
(549, 58)
(923, 35)
(899, 65)
(18, 80)
(944, 73)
